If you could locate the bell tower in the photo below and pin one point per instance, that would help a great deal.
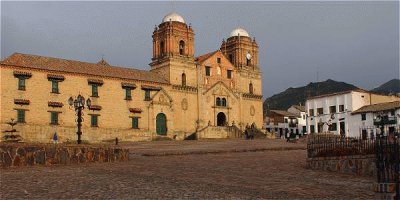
(242, 52)
(173, 38)
(173, 48)
(240, 49)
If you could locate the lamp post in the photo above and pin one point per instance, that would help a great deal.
(382, 119)
(79, 104)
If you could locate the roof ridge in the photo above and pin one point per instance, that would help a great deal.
(76, 66)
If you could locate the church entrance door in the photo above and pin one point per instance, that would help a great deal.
(161, 124)
(221, 119)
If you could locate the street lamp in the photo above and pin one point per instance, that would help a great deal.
(382, 119)
(79, 104)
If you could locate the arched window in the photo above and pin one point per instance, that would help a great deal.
(218, 101)
(224, 102)
(162, 48)
(181, 47)
(183, 79)
(251, 88)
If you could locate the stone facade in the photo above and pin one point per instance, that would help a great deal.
(177, 97)
(14, 155)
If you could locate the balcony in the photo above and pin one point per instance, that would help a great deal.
(385, 121)
(292, 125)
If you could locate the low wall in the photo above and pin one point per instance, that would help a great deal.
(218, 132)
(44, 133)
(362, 165)
(17, 154)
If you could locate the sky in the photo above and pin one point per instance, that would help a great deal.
(300, 42)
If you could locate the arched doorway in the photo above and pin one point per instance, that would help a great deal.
(221, 119)
(161, 124)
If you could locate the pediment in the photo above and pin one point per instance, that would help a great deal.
(162, 97)
(220, 89)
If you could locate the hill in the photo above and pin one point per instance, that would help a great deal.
(390, 87)
(291, 96)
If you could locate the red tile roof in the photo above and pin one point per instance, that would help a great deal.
(378, 107)
(284, 113)
(71, 66)
(205, 56)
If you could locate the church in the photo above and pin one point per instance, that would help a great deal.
(180, 96)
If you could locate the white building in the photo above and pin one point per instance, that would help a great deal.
(335, 110)
(301, 114)
(370, 118)
(283, 122)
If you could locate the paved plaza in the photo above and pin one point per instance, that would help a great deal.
(259, 169)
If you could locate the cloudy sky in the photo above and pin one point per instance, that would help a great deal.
(354, 42)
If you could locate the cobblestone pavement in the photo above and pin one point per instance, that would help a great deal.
(241, 175)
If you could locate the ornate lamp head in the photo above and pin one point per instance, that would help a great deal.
(76, 104)
(71, 101)
(89, 102)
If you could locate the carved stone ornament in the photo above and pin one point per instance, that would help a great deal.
(252, 110)
(161, 98)
(184, 104)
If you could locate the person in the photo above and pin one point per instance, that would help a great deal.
(55, 138)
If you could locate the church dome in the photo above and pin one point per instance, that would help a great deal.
(239, 31)
(175, 17)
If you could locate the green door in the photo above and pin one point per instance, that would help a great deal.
(161, 124)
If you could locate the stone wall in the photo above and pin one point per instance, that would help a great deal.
(13, 155)
(362, 165)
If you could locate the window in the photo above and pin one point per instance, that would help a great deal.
(128, 94)
(251, 88)
(341, 108)
(54, 118)
(20, 116)
(161, 48)
(332, 109)
(304, 116)
(333, 127)
(311, 112)
(392, 112)
(54, 86)
(147, 95)
(181, 47)
(312, 129)
(94, 120)
(223, 102)
(218, 101)
(183, 79)
(286, 120)
(21, 83)
(95, 91)
(363, 117)
(231, 58)
(219, 60)
(208, 71)
(135, 122)
(320, 111)
(229, 74)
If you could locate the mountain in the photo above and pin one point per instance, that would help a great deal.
(390, 87)
(292, 96)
